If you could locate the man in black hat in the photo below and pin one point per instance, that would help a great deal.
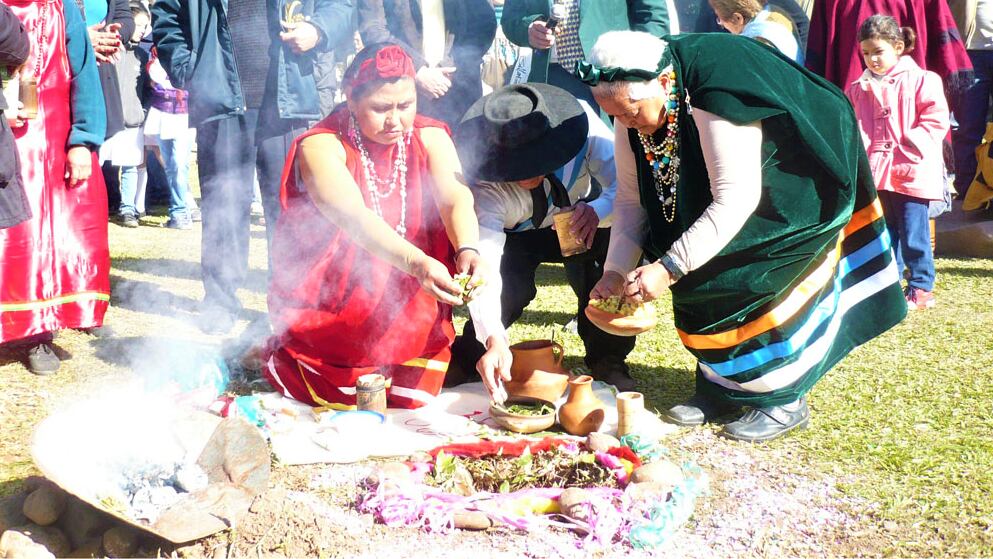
(530, 151)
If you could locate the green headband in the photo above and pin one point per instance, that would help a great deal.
(592, 75)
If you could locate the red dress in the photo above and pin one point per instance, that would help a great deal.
(338, 311)
(55, 267)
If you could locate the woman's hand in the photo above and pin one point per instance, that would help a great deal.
(435, 82)
(494, 367)
(610, 285)
(583, 223)
(470, 262)
(19, 118)
(106, 42)
(435, 279)
(79, 165)
(647, 283)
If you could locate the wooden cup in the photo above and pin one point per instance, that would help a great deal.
(630, 406)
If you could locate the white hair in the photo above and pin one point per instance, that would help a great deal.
(634, 50)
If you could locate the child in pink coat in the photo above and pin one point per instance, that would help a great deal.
(903, 116)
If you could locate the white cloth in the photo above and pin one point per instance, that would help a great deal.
(733, 157)
(124, 149)
(982, 39)
(433, 31)
(506, 207)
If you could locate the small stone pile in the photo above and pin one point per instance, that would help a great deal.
(150, 489)
(43, 522)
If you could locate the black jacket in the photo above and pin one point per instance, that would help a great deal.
(14, 48)
(470, 26)
(194, 45)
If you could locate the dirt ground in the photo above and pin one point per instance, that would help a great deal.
(763, 502)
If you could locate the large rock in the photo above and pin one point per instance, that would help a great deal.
(48, 536)
(45, 505)
(120, 542)
(472, 520)
(959, 233)
(16, 545)
(82, 523)
(662, 472)
(89, 550)
(12, 511)
(601, 442)
(573, 503)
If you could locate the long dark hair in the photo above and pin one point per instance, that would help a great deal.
(884, 27)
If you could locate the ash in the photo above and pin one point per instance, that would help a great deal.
(150, 489)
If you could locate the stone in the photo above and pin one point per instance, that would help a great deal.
(472, 520)
(16, 545)
(662, 471)
(396, 472)
(82, 523)
(220, 552)
(120, 542)
(90, 549)
(648, 491)
(12, 511)
(601, 442)
(572, 503)
(45, 505)
(48, 536)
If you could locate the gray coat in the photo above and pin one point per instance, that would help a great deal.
(14, 47)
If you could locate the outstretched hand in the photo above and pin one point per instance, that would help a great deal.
(611, 284)
(435, 279)
(494, 367)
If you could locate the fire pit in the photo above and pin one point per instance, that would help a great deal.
(179, 474)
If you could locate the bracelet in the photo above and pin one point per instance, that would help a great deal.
(672, 268)
(465, 248)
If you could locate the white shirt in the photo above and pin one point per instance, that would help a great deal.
(503, 208)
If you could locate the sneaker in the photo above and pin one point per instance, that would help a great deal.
(918, 299)
(179, 222)
(41, 360)
(128, 220)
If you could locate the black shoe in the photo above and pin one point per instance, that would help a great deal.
(766, 424)
(698, 410)
(129, 220)
(41, 360)
(215, 321)
(614, 373)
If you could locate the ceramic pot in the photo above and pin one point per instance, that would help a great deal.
(537, 371)
(583, 412)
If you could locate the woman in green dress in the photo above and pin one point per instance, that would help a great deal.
(743, 181)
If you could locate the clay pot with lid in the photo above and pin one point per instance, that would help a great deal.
(537, 370)
(583, 412)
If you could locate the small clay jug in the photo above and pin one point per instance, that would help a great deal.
(537, 370)
(583, 412)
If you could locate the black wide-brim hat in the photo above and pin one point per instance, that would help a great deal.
(519, 132)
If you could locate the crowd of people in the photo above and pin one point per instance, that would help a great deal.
(774, 164)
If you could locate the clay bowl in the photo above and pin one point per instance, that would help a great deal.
(619, 324)
(522, 423)
(538, 384)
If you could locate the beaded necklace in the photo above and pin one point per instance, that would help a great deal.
(397, 178)
(664, 156)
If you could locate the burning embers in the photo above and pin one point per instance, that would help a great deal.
(150, 489)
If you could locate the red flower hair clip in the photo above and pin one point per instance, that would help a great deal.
(389, 62)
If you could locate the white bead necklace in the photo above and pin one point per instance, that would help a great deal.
(397, 177)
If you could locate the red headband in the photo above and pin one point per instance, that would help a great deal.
(390, 62)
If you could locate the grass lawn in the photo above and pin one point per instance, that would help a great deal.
(904, 423)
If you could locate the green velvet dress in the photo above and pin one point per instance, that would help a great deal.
(811, 275)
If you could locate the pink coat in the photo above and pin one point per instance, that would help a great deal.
(903, 118)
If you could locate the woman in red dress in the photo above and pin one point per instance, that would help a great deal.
(375, 222)
(55, 267)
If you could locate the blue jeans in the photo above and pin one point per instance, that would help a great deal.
(176, 159)
(970, 112)
(133, 181)
(907, 224)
